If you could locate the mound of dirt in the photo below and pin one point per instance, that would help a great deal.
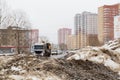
(29, 67)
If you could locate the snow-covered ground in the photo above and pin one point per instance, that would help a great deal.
(108, 54)
(59, 56)
(30, 67)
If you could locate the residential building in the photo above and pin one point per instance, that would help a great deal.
(71, 42)
(15, 37)
(77, 24)
(77, 30)
(92, 40)
(34, 36)
(62, 36)
(106, 15)
(85, 25)
(117, 27)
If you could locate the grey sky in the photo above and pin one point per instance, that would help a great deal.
(50, 15)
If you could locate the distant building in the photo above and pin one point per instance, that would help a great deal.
(34, 36)
(54, 47)
(85, 25)
(14, 37)
(92, 40)
(117, 27)
(62, 36)
(106, 15)
(77, 30)
(77, 24)
(71, 42)
(78, 41)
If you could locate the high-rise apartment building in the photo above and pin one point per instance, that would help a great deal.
(77, 29)
(62, 35)
(106, 15)
(77, 24)
(117, 27)
(85, 25)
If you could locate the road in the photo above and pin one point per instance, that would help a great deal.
(59, 56)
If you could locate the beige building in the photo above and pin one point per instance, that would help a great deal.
(78, 41)
(117, 27)
(106, 15)
(16, 38)
(71, 42)
(92, 40)
(74, 41)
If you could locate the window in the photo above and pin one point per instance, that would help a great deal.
(38, 47)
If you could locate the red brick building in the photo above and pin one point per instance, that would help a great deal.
(106, 15)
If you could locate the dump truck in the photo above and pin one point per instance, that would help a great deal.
(42, 49)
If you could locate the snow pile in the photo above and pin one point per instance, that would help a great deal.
(112, 45)
(108, 54)
(29, 67)
(30, 77)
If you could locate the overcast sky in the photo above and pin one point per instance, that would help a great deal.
(50, 15)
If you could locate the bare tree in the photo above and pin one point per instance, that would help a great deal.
(20, 19)
(4, 10)
(16, 18)
(10, 17)
(44, 39)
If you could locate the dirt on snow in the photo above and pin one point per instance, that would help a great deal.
(29, 67)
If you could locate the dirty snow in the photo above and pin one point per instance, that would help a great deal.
(108, 54)
(29, 67)
(91, 63)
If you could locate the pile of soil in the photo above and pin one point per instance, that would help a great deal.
(53, 69)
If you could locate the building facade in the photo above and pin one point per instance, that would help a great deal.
(106, 15)
(71, 42)
(16, 37)
(34, 36)
(85, 25)
(62, 36)
(77, 30)
(117, 27)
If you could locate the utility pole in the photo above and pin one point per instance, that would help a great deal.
(18, 39)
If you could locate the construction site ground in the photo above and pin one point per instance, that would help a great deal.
(30, 67)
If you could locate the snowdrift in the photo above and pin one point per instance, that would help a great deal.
(108, 54)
